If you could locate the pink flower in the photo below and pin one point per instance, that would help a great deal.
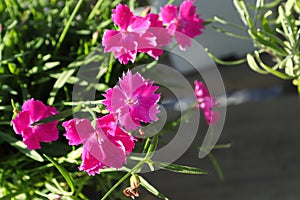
(205, 102)
(131, 36)
(187, 22)
(162, 35)
(33, 111)
(106, 145)
(134, 101)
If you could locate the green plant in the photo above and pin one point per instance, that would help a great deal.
(274, 29)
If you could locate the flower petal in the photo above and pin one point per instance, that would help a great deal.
(146, 99)
(36, 109)
(187, 10)
(168, 13)
(89, 163)
(77, 130)
(139, 25)
(21, 122)
(121, 16)
(129, 83)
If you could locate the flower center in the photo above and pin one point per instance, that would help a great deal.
(131, 102)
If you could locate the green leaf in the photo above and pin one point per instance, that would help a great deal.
(151, 188)
(58, 116)
(253, 65)
(179, 168)
(50, 65)
(271, 70)
(230, 33)
(266, 43)
(225, 22)
(21, 147)
(216, 165)
(63, 172)
(60, 82)
(243, 12)
(219, 61)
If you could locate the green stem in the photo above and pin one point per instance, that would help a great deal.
(134, 169)
(151, 148)
(110, 66)
(1, 46)
(68, 24)
(93, 12)
(219, 61)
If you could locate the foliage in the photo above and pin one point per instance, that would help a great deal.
(274, 29)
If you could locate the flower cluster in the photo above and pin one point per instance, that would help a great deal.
(150, 33)
(205, 102)
(107, 143)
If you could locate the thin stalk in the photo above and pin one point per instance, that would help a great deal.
(110, 66)
(1, 44)
(151, 148)
(68, 24)
(134, 169)
(93, 12)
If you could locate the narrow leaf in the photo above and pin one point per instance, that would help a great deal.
(216, 165)
(60, 82)
(253, 65)
(21, 147)
(180, 168)
(151, 188)
(58, 116)
(63, 172)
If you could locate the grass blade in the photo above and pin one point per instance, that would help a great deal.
(63, 172)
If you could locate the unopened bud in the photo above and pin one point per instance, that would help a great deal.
(134, 181)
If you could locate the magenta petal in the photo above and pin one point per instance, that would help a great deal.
(129, 83)
(200, 89)
(112, 41)
(146, 99)
(127, 120)
(36, 109)
(107, 100)
(126, 139)
(191, 28)
(105, 151)
(122, 16)
(77, 130)
(187, 10)
(118, 99)
(108, 125)
(182, 40)
(89, 163)
(139, 25)
(153, 52)
(21, 122)
(124, 58)
(30, 139)
(153, 112)
(168, 13)
(47, 132)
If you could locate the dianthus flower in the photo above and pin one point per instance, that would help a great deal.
(131, 36)
(23, 124)
(205, 102)
(134, 101)
(106, 145)
(187, 22)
